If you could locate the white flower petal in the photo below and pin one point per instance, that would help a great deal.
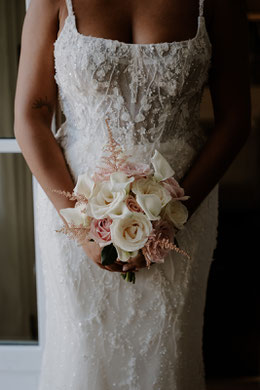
(151, 204)
(84, 186)
(151, 186)
(162, 169)
(118, 211)
(134, 254)
(74, 216)
(119, 180)
(105, 201)
(177, 213)
(122, 255)
(131, 232)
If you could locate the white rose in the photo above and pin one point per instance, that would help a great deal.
(151, 205)
(104, 201)
(131, 232)
(76, 216)
(151, 187)
(85, 186)
(119, 181)
(177, 213)
(162, 169)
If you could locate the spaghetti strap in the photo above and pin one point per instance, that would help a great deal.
(69, 7)
(201, 7)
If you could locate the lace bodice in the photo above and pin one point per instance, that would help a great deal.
(150, 92)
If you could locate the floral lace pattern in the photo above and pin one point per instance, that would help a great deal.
(103, 333)
(151, 93)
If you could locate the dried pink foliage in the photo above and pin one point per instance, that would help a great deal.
(112, 161)
(137, 170)
(78, 197)
(159, 243)
(153, 251)
(75, 232)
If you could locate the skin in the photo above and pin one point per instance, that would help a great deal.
(135, 21)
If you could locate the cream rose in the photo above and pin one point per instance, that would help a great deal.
(177, 213)
(131, 232)
(151, 187)
(104, 202)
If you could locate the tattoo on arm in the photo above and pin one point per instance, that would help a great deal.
(39, 103)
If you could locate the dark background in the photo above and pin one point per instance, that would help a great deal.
(232, 313)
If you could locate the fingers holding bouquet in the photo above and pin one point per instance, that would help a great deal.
(134, 264)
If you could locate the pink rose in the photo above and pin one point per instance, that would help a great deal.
(100, 231)
(153, 251)
(133, 205)
(137, 170)
(174, 189)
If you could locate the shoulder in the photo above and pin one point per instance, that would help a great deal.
(42, 20)
(46, 6)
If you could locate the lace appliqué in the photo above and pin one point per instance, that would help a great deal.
(151, 93)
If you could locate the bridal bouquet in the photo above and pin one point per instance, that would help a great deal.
(127, 207)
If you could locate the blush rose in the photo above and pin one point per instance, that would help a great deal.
(100, 231)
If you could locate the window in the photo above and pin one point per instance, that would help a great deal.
(20, 305)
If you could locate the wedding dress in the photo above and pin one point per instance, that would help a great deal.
(103, 333)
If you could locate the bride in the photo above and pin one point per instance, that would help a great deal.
(144, 65)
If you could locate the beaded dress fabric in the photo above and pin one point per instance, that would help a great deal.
(103, 333)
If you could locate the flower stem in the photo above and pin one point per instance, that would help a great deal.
(129, 276)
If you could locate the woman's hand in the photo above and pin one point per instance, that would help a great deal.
(93, 251)
(135, 263)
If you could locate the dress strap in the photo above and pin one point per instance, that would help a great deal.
(69, 7)
(202, 7)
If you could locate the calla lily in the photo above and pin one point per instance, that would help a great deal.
(119, 211)
(162, 169)
(119, 181)
(84, 186)
(75, 216)
(151, 205)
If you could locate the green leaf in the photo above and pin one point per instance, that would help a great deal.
(108, 254)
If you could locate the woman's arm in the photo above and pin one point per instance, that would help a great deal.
(35, 101)
(230, 92)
